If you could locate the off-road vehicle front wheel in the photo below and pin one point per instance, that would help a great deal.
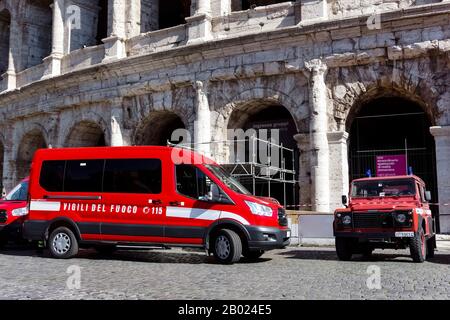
(344, 248)
(418, 246)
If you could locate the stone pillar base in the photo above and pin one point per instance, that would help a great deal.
(114, 48)
(199, 28)
(53, 63)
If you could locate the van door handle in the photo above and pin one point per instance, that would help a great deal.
(157, 202)
(175, 203)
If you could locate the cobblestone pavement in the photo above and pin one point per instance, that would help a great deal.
(294, 273)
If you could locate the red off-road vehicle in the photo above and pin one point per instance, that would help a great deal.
(388, 212)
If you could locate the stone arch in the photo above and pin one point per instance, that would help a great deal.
(85, 133)
(5, 25)
(29, 144)
(248, 99)
(157, 128)
(87, 129)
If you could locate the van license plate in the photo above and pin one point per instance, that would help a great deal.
(404, 234)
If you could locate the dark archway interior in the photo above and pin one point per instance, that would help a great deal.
(393, 126)
(264, 115)
(173, 13)
(86, 134)
(159, 128)
(102, 23)
(5, 23)
(30, 143)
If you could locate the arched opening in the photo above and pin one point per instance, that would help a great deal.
(102, 21)
(86, 134)
(38, 39)
(5, 23)
(149, 15)
(31, 142)
(237, 5)
(394, 127)
(267, 120)
(158, 129)
(2, 156)
(173, 13)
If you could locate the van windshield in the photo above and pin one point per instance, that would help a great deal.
(19, 193)
(383, 188)
(227, 179)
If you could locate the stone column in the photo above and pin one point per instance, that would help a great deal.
(115, 43)
(442, 140)
(304, 174)
(54, 60)
(313, 11)
(133, 19)
(199, 25)
(339, 174)
(120, 136)
(319, 141)
(15, 39)
(9, 159)
(202, 126)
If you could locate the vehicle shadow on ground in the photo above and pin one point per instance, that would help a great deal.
(149, 256)
(377, 256)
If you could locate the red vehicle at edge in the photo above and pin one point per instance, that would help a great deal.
(387, 212)
(135, 196)
(13, 211)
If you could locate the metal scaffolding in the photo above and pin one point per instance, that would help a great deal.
(249, 168)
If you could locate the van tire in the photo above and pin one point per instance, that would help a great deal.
(63, 243)
(227, 247)
(253, 255)
(344, 248)
(418, 246)
(431, 247)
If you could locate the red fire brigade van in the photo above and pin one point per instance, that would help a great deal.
(388, 212)
(152, 196)
(13, 210)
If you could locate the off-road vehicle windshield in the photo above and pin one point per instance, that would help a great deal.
(383, 188)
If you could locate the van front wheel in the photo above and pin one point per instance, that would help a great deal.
(62, 243)
(227, 247)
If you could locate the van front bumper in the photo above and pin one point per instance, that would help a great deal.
(268, 238)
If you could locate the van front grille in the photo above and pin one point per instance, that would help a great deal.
(3, 216)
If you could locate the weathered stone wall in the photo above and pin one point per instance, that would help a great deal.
(321, 71)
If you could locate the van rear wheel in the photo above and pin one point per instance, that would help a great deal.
(227, 247)
(62, 243)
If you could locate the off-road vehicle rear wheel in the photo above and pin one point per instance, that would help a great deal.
(418, 246)
(344, 248)
(431, 246)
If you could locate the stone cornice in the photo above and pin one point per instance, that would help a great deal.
(270, 40)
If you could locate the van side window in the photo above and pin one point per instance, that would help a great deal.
(192, 182)
(84, 176)
(52, 175)
(133, 176)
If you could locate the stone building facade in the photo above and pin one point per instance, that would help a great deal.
(127, 72)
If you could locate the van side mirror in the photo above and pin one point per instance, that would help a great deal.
(215, 193)
(344, 200)
(428, 196)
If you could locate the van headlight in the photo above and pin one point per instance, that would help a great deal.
(20, 212)
(259, 209)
